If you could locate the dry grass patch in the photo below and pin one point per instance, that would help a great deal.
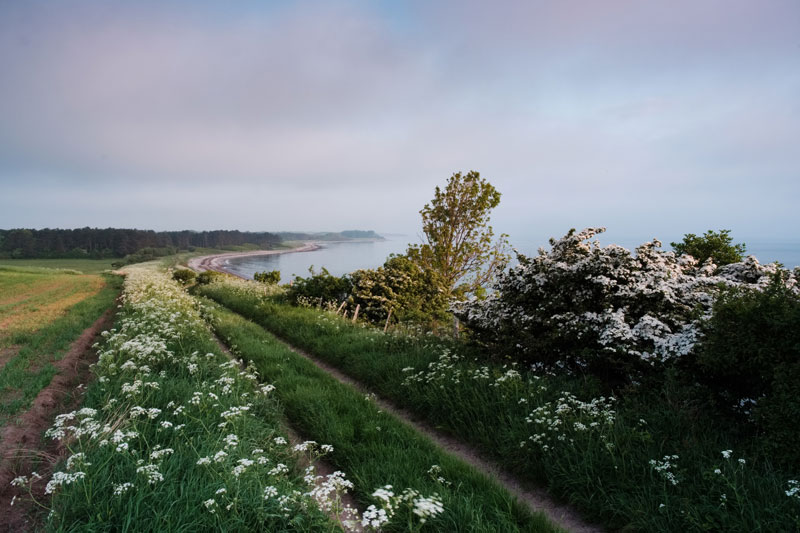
(31, 300)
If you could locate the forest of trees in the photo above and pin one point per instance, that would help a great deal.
(112, 242)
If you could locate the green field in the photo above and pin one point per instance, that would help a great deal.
(33, 297)
(86, 266)
(41, 313)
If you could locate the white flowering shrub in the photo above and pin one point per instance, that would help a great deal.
(605, 310)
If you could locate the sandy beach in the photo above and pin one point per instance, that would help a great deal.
(218, 262)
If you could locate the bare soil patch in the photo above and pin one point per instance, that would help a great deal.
(22, 449)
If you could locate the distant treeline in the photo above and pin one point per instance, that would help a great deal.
(113, 242)
(329, 236)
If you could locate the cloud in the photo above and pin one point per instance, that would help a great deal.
(150, 114)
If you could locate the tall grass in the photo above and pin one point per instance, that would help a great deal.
(652, 461)
(373, 447)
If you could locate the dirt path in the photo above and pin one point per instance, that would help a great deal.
(218, 262)
(537, 500)
(21, 446)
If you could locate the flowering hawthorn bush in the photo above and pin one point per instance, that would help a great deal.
(604, 310)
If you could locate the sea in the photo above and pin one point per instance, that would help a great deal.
(344, 257)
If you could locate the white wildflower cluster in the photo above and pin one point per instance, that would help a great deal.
(250, 288)
(122, 488)
(580, 296)
(794, 489)
(150, 473)
(561, 420)
(328, 491)
(450, 368)
(665, 466)
(62, 478)
(422, 507)
(435, 472)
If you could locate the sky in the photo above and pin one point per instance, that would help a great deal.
(650, 118)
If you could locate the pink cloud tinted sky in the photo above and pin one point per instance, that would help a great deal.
(651, 118)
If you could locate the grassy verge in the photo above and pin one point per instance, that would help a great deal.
(87, 266)
(31, 369)
(645, 463)
(371, 446)
(173, 436)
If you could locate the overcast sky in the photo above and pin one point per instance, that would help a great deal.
(652, 118)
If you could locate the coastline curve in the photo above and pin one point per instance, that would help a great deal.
(218, 262)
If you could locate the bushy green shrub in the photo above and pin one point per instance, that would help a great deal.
(184, 276)
(749, 361)
(717, 246)
(209, 276)
(320, 286)
(271, 277)
(403, 288)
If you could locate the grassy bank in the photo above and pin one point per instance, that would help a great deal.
(373, 447)
(647, 462)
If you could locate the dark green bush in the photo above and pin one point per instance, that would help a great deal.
(208, 276)
(320, 286)
(401, 287)
(749, 362)
(272, 277)
(715, 245)
(184, 276)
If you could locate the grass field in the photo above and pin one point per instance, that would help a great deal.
(41, 313)
(86, 266)
(32, 298)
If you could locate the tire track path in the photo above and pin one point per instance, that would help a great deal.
(538, 500)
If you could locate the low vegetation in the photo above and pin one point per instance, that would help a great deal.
(371, 446)
(32, 298)
(42, 314)
(659, 458)
(173, 435)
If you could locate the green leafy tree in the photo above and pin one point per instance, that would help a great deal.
(716, 245)
(272, 277)
(459, 242)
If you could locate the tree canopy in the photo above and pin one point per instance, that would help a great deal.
(715, 245)
(459, 242)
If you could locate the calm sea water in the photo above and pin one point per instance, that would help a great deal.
(338, 258)
(342, 258)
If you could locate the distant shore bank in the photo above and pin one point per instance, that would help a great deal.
(218, 262)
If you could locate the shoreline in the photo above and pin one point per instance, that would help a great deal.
(217, 262)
